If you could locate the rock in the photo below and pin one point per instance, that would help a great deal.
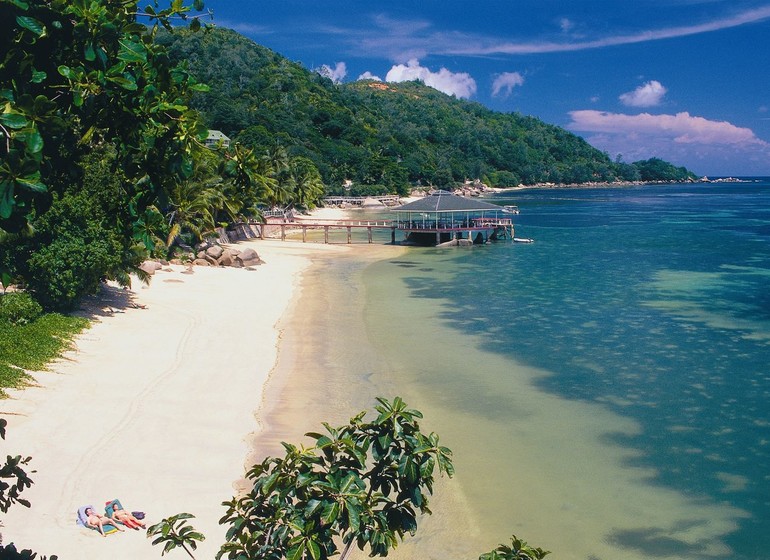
(225, 260)
(251, 263)
(150, 267)
(200, 255)
(211, 260)
(248, 254)
(201, 262)
(215, 251)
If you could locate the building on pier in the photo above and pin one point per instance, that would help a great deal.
(445, 218)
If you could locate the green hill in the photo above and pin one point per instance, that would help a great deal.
(382, 136)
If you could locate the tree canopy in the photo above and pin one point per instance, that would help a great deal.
(103, 161)
(382, 137)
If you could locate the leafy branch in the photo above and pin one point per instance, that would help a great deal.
(175, 532)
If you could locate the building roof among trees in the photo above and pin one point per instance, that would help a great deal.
(443, 201)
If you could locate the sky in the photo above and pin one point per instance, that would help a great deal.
(684, 80)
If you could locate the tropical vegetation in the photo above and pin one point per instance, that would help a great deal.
(382, 137)
(361, 485)
(102, 160)
(30, 339)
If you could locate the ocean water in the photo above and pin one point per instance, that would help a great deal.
(605, 390)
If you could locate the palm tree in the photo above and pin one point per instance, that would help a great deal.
(308, 186)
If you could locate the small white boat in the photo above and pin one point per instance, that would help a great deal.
(523, 240)
(511, 209)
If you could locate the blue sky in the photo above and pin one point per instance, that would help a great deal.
(684, 80)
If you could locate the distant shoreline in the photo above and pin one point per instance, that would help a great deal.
(608, 184)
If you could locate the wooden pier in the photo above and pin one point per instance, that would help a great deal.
(440, 219)
(328, 226)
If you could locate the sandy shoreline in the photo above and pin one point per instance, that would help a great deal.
(155, 406)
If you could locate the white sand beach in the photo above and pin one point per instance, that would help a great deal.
(155, 406)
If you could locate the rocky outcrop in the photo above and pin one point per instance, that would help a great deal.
(208, 253)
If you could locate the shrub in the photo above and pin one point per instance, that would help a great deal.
(19, 308)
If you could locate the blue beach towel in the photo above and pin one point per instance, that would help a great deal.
(82, 518)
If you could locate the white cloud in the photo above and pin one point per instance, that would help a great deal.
(336, 74)
(566, 25)
(404, 39)
(682, 128)
(706, 146)
(506, 81)
(648, 94)
(459, 84)
(369, 76)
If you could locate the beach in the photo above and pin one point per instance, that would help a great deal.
(157, 404)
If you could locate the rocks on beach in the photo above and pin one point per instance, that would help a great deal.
(207, 253)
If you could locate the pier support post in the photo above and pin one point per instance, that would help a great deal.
(304, 234)
(326, 234)
(283, 232)
(369, 231)
(348, 235)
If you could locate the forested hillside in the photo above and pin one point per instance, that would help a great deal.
(381, 136)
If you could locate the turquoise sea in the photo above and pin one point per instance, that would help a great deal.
(606, 389)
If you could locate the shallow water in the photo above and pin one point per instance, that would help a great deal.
(605, 389)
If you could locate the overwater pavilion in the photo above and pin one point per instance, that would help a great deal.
(446, 218)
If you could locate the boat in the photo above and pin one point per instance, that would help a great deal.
(511, 209)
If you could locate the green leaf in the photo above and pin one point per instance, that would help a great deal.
(354, 519)
(89, 52)
(66, 71)
(5, 280)
(132, 51)
(38, 76)
(330, 514)
(125, 83)
(296, 552)
(32, 182)
(315, 550)
(198, 5)
(34, 142)
(6, 199)
(31, 24)
(13, 120)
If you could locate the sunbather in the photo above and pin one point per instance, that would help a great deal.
(125, 517)
(97, 521)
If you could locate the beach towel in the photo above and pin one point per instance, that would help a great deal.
(109, 509)
(82, 518)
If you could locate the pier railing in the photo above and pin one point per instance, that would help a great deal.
(275, 228)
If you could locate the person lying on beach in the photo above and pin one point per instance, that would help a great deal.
(98, 521)
(126, 518)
